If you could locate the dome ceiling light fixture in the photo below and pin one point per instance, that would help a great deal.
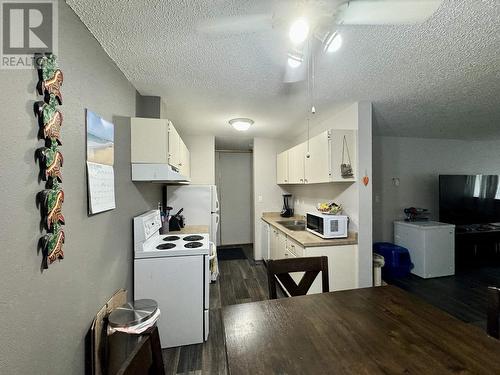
(241, 124)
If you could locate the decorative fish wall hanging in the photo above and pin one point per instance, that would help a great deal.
(51, 202)
(51, 77)
(50, 159)
(52, 248)
(50, 120)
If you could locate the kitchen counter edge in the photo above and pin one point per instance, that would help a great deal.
(304, 238)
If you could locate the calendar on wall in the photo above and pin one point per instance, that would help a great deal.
(100, 161)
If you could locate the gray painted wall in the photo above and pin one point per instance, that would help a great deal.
(148, 106)
(44, 317)
(418, 162)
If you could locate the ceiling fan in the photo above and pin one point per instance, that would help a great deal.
(314, 25)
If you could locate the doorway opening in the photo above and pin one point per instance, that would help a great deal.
(234, 180)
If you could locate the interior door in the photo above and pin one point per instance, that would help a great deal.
(234, 183)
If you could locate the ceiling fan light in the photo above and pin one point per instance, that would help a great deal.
(333, 42)
(241, 124)
(299, 31)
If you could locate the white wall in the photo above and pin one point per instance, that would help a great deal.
(267, 194)
(202, 153)
(417, 162)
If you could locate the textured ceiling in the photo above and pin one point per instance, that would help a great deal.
(437, 79)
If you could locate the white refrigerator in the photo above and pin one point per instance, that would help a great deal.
(200, 203)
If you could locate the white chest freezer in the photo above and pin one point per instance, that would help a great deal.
(431, 245)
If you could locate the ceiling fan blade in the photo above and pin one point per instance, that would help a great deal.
(293, 75)
(237, 24)
(386, 12)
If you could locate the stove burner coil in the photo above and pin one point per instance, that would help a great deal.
(165, 246)
(193, 238)
(193, 245)
(171, 238)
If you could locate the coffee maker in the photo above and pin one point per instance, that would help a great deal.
(287, 210)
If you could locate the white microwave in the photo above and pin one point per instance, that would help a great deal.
(327, 226)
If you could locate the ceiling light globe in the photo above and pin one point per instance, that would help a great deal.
(299, 31)
(241, 124)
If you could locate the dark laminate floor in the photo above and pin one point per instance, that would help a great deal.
(463, 295)
(240, 281)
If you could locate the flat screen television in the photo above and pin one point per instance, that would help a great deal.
(469, 199)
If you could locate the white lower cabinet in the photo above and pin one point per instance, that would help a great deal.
(342, 267)
(277, 244)
(342, 260)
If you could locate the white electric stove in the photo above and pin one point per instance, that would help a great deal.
(173, 269)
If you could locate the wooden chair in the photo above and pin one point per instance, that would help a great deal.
(492, 324)
(281, 268)
(145, 358)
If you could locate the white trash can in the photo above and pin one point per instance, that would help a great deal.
(378, 263)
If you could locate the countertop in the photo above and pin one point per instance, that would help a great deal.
(305, 238)
(192, 229)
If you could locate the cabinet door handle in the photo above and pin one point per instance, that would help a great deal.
(301, 180)
(305, 181)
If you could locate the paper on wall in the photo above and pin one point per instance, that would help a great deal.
(101, 187)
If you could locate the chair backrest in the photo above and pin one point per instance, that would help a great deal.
(280, 269)
(492, 326)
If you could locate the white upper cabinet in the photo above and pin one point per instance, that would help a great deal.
(156, 141)
(296, 164)
(174, 146)
(320, 159)
(149, 140)
(317, 163)
(184, 164)
(282, 168)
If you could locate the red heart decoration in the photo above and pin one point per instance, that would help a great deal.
(366, 179)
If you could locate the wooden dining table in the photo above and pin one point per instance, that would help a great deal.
(382, 330)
